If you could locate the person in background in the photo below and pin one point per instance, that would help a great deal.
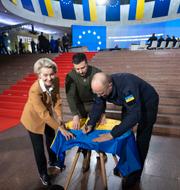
(80, 95)
(174, 40)
(42, 115)
(151, 39)
(21, 46)
(4, 43)
(161, 39)
(139, 102)
(65, 42)
(167, 39)
(33, 46)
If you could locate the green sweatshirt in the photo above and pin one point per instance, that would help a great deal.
(78, 90)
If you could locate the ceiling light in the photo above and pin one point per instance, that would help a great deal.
(101, 2)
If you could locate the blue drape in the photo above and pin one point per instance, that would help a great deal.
(123, 146)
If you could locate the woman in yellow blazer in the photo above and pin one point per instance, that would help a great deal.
(42, 115)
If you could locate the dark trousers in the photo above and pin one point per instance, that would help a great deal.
(39, 151)
(144, 130)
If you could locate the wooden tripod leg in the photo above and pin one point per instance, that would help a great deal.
(103, 170)
(72, 170)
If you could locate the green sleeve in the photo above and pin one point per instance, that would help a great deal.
(71, 94)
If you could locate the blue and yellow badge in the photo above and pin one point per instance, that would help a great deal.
(129, 98)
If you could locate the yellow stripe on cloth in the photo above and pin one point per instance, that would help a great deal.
(92, 10)
(140, 10)
(110, 123)
(49, 8)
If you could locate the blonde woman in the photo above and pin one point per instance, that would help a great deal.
(42, 115)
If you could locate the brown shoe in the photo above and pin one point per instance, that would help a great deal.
(86, 161)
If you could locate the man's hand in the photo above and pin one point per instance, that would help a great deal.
(102, 120)
(103, 137)
(76, 122)
(87, 128)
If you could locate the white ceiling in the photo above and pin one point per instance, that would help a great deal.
(9, 19)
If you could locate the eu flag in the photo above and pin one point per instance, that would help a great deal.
(161, 8)
(27, 4)
(113, 10)
(93, 37)
(67, 9)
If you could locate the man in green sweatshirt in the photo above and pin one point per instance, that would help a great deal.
(80, 95)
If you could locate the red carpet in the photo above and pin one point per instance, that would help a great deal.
(13, 99)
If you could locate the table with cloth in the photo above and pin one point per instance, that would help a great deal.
(124, 146)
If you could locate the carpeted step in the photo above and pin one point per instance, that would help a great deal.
(11, 113)
(12, 98)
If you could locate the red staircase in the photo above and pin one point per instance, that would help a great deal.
(13, 99)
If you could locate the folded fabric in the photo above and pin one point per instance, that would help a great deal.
(123, 146)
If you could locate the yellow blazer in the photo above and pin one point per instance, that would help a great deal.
(38, 108)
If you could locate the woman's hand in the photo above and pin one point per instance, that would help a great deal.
(68, 135)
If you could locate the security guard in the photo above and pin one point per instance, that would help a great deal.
(139, 102)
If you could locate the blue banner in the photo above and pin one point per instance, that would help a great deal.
(43, 7)
(86, 10)
(27, 4)
(123, 146)
(113, 10)
(161, 8)
(67, 9)
(132, 10)
(93, 37)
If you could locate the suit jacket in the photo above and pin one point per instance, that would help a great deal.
(42, 108)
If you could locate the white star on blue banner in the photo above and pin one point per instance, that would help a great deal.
(93, 37)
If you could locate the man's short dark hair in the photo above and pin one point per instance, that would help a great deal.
(78, 58)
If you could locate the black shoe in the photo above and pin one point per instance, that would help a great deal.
(131, 180)
(58, 165)
(117, 172)
(45, 179)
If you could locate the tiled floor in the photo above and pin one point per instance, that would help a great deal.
(18, 170)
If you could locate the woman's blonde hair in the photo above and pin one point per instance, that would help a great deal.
(44, 63)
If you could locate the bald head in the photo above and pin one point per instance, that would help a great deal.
(100, 84)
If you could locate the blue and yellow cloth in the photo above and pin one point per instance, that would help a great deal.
(123, 146)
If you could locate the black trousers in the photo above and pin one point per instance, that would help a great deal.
(39, 151)
(144, 130)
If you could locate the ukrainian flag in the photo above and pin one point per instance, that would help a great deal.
(140, 10)
(129, 98)
(136, 10)
(124, 146)
(46, 8)
(89, 10)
